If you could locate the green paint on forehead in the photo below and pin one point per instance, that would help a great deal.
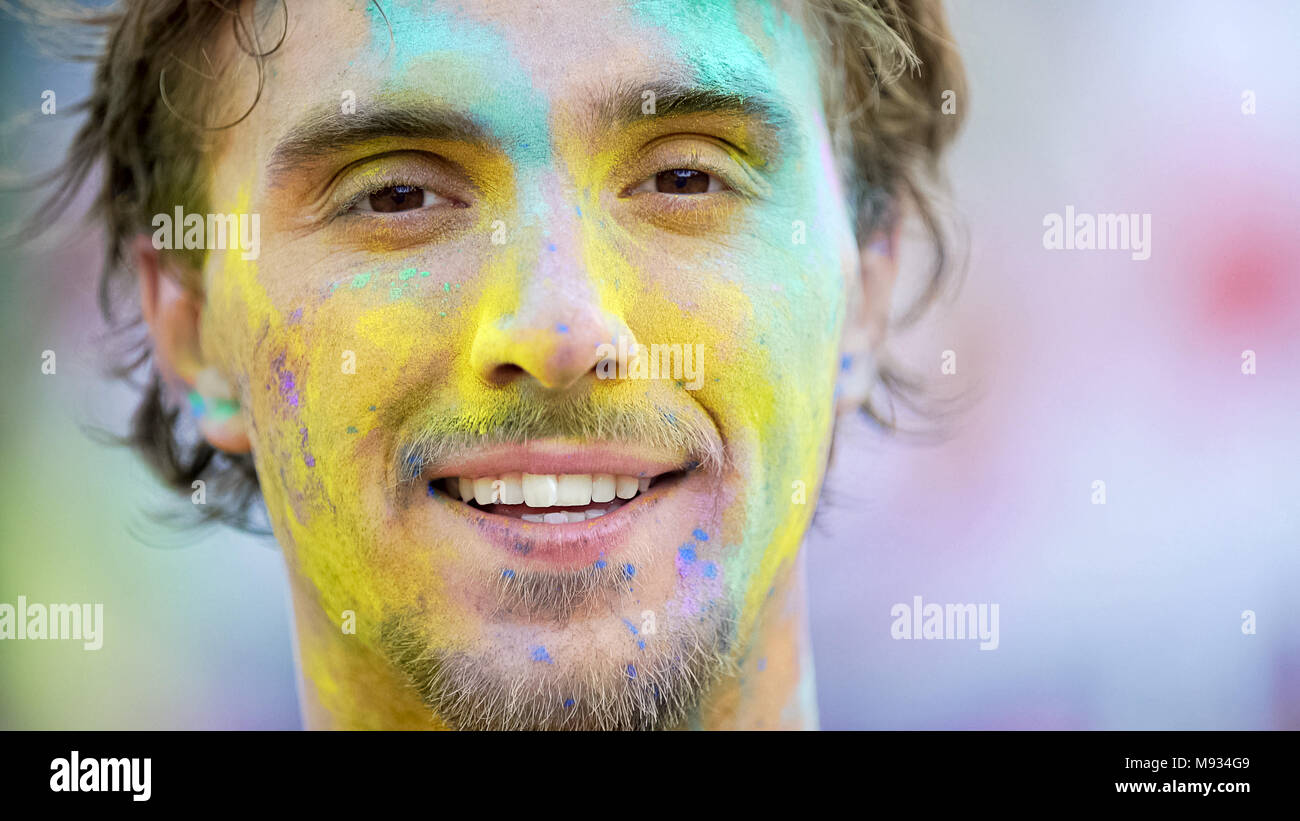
(712, 41)
(482, 76)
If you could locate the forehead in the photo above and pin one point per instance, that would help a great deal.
(518, 66)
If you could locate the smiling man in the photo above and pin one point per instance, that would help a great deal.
(552, 310)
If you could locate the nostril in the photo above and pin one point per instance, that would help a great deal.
(505, 373)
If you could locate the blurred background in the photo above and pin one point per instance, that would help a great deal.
(1079, 366)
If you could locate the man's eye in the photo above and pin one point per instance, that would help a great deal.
(683, 181)
(680, 181)
(393, 198)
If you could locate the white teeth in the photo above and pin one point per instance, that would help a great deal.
(625, 487)
(512, 489)
(602, 488)
(539, 489)
(573, 489)
(560, 517)
(484, 491)
(548, 489)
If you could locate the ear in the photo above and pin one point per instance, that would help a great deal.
(871, 279)
(172, 314)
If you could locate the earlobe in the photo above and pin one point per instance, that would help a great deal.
(172, 315)
(218, 413)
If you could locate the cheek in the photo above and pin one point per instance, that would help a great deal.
(775, 396)
(765, 307)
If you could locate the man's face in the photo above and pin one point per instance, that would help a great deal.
(457, 212)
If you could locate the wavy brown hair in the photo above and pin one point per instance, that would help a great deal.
(148, 129)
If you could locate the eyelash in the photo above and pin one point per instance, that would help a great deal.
(386, 182)
(693, 162)
(713, 176)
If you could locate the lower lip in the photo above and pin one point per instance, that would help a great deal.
(570, 545)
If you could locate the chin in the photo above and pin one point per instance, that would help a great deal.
(588, 583)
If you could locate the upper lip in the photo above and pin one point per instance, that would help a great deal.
(558, 457)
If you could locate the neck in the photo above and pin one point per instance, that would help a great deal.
(346, 685)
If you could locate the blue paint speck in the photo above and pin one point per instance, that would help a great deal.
(631, 671)
(507, 574)
(562, 328)
(568, 702)
(846, 362)
(641, 643)
(687, 552)
(700, 535)
(600, 563)
(550, 246)
(629, 570)
(540, 654)
(630, 626)
(710, 570)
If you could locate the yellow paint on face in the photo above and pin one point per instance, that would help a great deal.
(767, 312)
(726, 293)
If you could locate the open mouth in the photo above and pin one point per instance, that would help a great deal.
(559, 503)
(551, 498)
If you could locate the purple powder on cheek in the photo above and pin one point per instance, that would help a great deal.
(288, 385)
(685, 558)
(307, 458)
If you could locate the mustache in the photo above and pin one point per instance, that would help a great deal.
(438, 437)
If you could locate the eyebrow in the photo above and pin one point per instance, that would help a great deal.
(625, 103)
(330, 130)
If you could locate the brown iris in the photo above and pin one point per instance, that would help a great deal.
(397, 198)
(681, 181)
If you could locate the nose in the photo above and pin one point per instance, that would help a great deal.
(554, 335)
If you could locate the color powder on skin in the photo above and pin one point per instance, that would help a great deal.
(714, 288)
